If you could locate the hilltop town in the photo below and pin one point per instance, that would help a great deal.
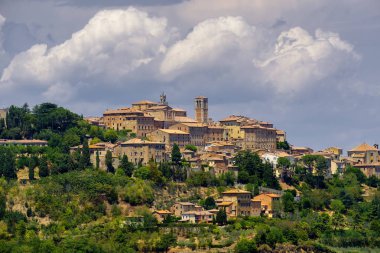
(151, 168)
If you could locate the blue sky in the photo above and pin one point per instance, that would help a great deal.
(310, 67)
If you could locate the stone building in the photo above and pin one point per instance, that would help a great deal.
(257, 137)
(129, 119)
(142, 151)
(236, 202)
(169, 137)
(197, 132)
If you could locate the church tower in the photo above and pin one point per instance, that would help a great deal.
(201, 109)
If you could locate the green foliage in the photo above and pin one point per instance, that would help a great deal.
(253, 170)
(209, 203)
(85, 159)
(7, 163)
(176, 154)
(221, 217)
(191, 147)
(109, 162)
(126, 166)
(246, 246)
(43, 167)
(138, 192)
(288, 204)
(110, 135)
(283, 145)
(97, 160)
(337, 206)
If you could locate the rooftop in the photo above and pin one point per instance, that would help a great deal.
(363, 147)
(173, 131)
(140, 141)
(235, 191)
(144, 102)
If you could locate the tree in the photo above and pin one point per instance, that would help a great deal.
(221, 217)
(33, 163)
(166, 240)
(176, 154)
(288, 204)
(43, 167)
(283, 145)
(3, 203)
(209, 203)
(126, 166)
(109, 162)
(337, 205)
(337, 221)
(321, 166)
(245, 246)
(110, 135)
(7, 163)
(191, 147)
(97, 160)
(85, 159)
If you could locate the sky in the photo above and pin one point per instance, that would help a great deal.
(309, 67)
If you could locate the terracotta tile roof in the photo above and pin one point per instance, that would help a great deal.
(173, 131)
(363, 147)
(184, 119)
(144, 102)
(235, 191)
(158, 107)
(140, 141)
(162, 212)
(225, 203)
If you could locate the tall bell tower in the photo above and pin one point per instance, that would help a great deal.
(201, 109)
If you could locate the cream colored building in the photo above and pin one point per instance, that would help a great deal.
(364, 154)
(257, 137)
(161, 215)
(366, 158)
(269, 202)
(197, 132)
(182, 207)
(129, 119)
(142, 151)
(236, 202)
(215, 133)
(169, 137)
(280, 136)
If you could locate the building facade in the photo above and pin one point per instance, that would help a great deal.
(142, 151)
(257, 137)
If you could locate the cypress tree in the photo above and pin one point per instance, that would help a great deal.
(109, 164)
(85, 160)
(126, 166)
(176, 154)
(7, 164)
(97, 160)
(43, 168)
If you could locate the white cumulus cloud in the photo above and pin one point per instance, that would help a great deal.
(207, 43)
(300, 59)
(112, 45)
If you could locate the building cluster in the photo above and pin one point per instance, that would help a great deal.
(158, 126)
(234, 202)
